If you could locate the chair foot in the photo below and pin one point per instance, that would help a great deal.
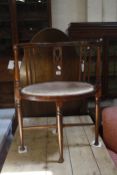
(99, 144)
(22, 149)
(61, 160)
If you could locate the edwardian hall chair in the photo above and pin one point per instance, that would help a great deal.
(58, 88)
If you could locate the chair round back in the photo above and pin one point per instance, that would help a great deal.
(48, 63)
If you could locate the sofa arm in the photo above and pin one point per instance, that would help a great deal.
(109, 119)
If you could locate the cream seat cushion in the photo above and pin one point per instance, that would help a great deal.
(58, 88)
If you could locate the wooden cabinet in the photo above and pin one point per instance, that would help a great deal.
(19, 21)
(5, 27)
(6, 76)
(29, 16)
(106, 32)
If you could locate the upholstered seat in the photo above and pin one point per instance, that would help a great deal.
(58, 89)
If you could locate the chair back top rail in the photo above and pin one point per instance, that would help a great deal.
(58, 44)
(59, 61)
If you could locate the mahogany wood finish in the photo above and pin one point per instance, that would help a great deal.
(46, 72)
(59, 54)
(92, 30)
(106, 32)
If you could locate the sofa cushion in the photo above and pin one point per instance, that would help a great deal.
(109, 118)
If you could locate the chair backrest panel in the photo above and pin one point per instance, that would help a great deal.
(51, 56)
(36, 66)
(89, 62)
(42, 64)
(50, 35)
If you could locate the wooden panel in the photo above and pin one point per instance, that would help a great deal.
(6, 94)
(91, 30)
(101, 154)
(83, 161)
(32, 161)
(6, 84)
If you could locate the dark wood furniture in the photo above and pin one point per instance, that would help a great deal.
(107, 33)
(62, 84)
(6, 76)
(46, 67)
(19, 21)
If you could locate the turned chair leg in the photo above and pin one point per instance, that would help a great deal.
(21, 148)
(97, 122)
(56, 122)
(60, 130)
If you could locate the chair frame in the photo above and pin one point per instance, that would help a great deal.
(58, 100)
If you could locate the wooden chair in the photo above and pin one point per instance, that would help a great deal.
(37, 108)
(63, 84)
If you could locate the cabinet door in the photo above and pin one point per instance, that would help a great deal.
(112, 67)
(5, 28)
(6, 75)
(32, 15)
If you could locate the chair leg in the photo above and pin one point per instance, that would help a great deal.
(60, 130)
(97, 121)
(22, 148)
(56, 125)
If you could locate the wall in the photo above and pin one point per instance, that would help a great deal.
(66, 11)
(94, 10)
(109, 8)
(101, 10)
